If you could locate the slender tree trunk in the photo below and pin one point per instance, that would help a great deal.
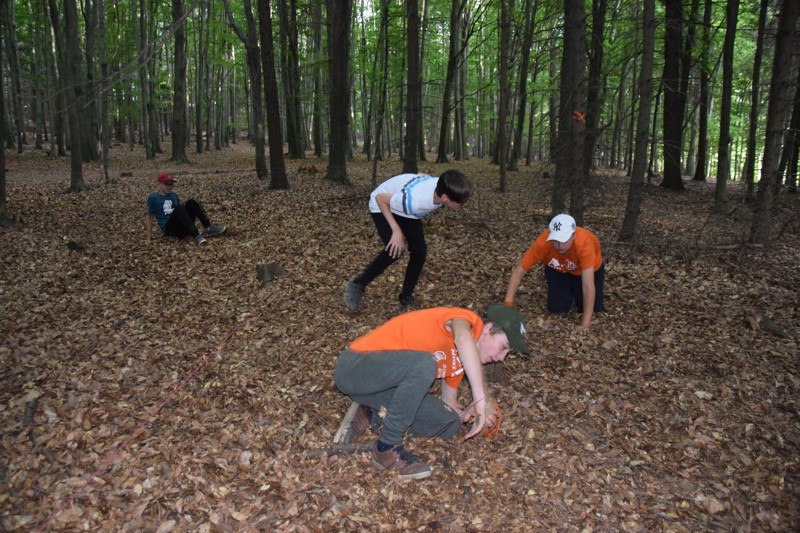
(724, 156)
(179, 128)
(201, 80)
(502, 115)
(779, 103)
(702, 130)
(755, 101)
(317, 130)
(553, 100)
(413, 110)
(633, 207)
(105, 123)
(72, 81)
(673, 119)
(339, 12)
(140, 24)
(12, 54)
(456, 13)
(384, 62)
(792, 144)
(279, 179)
(5, 220)
(250, 40)
(572, 113)
(522, 83)
(594, 100)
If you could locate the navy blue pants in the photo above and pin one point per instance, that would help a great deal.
(564, 290)
(417, 252)
(181, 221)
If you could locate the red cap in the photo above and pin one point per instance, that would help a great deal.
(166, 177)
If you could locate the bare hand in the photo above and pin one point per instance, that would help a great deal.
(396, 245)
(480, 420)
(583, 328)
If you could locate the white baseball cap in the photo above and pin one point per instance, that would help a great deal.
(562, 227)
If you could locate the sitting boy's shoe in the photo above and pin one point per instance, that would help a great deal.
(355, 422)
(200, 240)
(353, 294)
(409, 303)
(214, 229)
(397, 458)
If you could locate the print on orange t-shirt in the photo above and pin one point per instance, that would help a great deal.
(423, 331)
(584, 254)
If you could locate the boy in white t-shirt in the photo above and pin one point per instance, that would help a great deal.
(397, 206)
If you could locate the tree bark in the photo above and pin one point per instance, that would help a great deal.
(633, 207)
(755, 101)
(454, 52)
(673, 117)
(724, 156)
(278, 180)
(179, 130)
(779, 102)
(702, 130)
(249, 39)
(12, 54)
(339, 74)
(502, 114)
(412, 90)
(572, 113)
(72, 82)
(595, 86)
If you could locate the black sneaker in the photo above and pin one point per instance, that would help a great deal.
(408, 303)
(352, 295)
(397, 458)
(215, 229)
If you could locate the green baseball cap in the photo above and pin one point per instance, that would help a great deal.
(510, 319)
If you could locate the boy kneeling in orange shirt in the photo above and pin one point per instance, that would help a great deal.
(392, 368)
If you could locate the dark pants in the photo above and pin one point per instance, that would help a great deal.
(417, 252)
(181, 221)
(399, 382)
(565, 289)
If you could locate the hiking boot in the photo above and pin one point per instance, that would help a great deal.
(397, 458)
(408, 303)
(200, 240)
(214, 229)
(353, 294)
(354, 424)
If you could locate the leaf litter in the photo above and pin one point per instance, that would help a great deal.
(676, 413)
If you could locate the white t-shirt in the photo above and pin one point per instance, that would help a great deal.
(412, 195)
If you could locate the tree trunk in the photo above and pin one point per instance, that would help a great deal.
(105, 123)
(572, 113)
(755, 101)
(702, 130)
(71, 71)
(12, 54)
(5, 220)
(673, 116)
(724, 156)
(317, 130)
(502, 114)
(454, 52)
(412, 89)
(179, 129)
(594, 100)
(339, 75)
(278, 180)
(779, 103)
(294, 111)
(201, 80)
(635, 192)
(249, 39)
(522, 83)
(384, 62)
(792, 144)
(140, 23)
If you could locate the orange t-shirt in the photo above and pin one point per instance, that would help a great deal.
(584, 254)
(423, 331)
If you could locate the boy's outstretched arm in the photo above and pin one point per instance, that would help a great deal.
(513, 284)
(397, 242)
(470, 360)
(589, 296)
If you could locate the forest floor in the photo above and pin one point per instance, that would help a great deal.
(160, 387)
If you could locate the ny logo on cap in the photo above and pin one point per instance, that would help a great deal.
(557, 226)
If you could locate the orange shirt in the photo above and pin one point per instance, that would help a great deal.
(423, 331)
(584, 254)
